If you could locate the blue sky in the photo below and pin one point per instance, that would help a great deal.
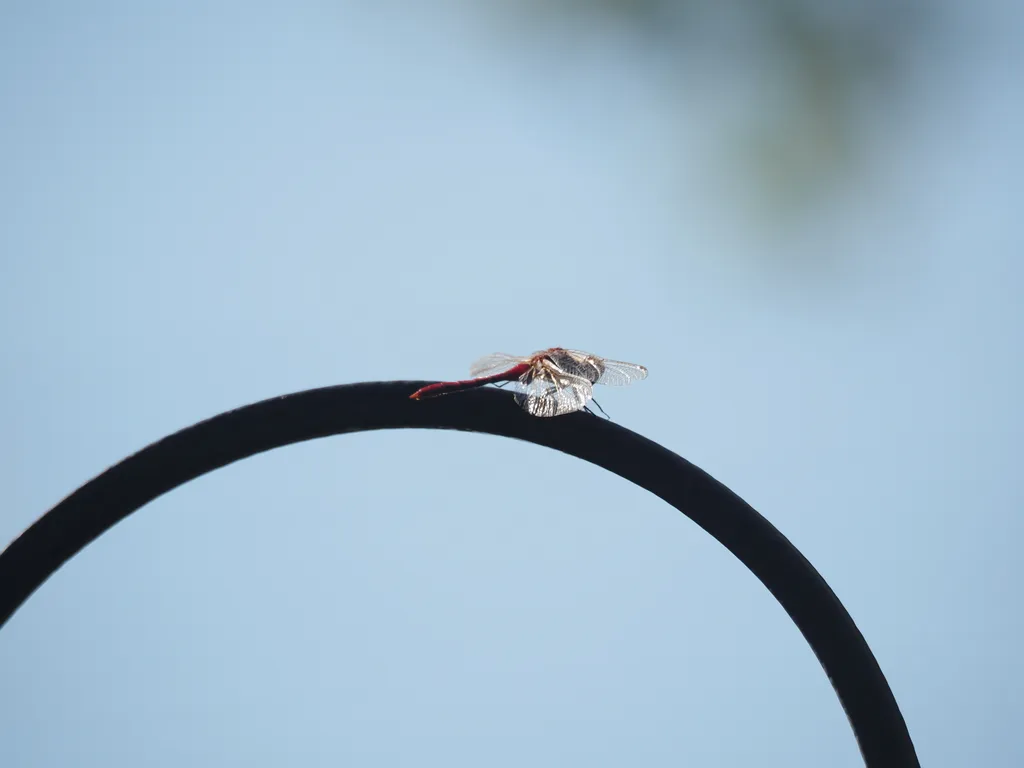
(208, 205)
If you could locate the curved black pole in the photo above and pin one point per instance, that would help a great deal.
(95, 507)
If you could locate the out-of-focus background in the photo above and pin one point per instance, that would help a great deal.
(804, 217)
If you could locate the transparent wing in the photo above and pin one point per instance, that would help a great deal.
(496, 363)
(619, 374)
(575, 363)
(553, 394)
(597, 370)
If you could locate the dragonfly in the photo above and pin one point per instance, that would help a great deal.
(552, 382)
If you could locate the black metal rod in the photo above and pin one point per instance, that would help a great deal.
(102, 502)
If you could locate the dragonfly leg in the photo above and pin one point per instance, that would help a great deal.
(598, 408)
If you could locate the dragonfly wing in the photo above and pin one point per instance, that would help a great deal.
(496, 363)
(619, 374)
(576, 363)
(596, 369)
(548, 396)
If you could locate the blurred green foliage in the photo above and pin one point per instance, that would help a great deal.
(808, 83)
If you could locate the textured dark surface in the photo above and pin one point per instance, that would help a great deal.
(95, 507)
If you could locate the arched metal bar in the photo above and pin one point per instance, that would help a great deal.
(102, 502)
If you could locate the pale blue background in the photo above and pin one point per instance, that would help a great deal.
(203, 205)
